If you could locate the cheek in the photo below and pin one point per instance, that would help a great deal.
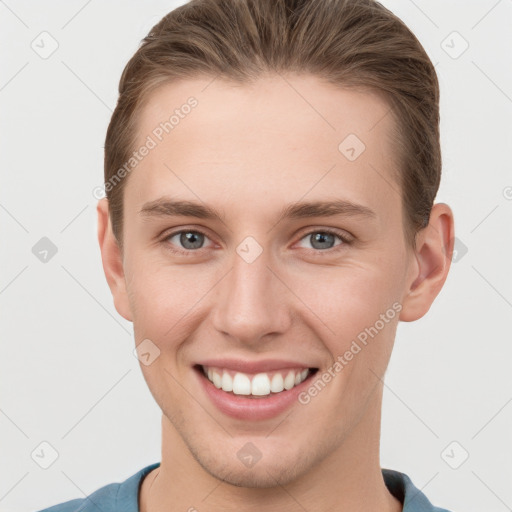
(355, 315)
(349, 298)
(336, 302)
(165, 299)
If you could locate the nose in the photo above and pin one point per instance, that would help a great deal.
(251, 302)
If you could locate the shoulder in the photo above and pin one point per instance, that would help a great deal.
(102, 500)
(413, 500)
(114, 497)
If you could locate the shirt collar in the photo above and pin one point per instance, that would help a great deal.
(398, 484)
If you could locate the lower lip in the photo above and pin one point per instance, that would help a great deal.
(240, 407)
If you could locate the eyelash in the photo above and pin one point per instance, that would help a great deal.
(189, 252)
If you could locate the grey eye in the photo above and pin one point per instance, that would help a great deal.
(191, 239)
(322, 240)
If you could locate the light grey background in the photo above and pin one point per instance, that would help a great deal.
(68, 375)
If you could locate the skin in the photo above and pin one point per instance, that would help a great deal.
(248, 151)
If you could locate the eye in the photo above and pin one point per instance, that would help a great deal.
(189, 240)
(325, 239)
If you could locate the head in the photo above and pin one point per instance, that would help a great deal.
(260, 113)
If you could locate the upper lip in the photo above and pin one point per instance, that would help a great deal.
(265, 365)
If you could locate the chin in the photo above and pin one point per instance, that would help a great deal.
(270, 471)
(255, 478)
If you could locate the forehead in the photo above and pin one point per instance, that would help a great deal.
(291, 105)
(280, 136)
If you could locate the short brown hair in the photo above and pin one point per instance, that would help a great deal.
(350, 43)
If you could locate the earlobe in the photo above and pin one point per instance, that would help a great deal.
(433, 253)
(112, 261)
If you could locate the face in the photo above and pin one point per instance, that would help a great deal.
(252, 280)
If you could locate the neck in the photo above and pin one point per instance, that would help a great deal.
(348, 479)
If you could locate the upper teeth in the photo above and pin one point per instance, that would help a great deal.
(260, 384)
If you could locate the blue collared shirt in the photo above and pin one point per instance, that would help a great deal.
(123, 497)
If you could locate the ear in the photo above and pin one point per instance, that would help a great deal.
(433, 257)
(112, 260)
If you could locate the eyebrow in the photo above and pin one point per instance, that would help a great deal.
(165, 207)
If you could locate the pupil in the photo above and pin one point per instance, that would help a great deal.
(322, 238)
(191, 238)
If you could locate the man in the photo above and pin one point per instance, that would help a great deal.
(270, 171)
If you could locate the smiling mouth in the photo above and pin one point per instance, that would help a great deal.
(259, 385)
